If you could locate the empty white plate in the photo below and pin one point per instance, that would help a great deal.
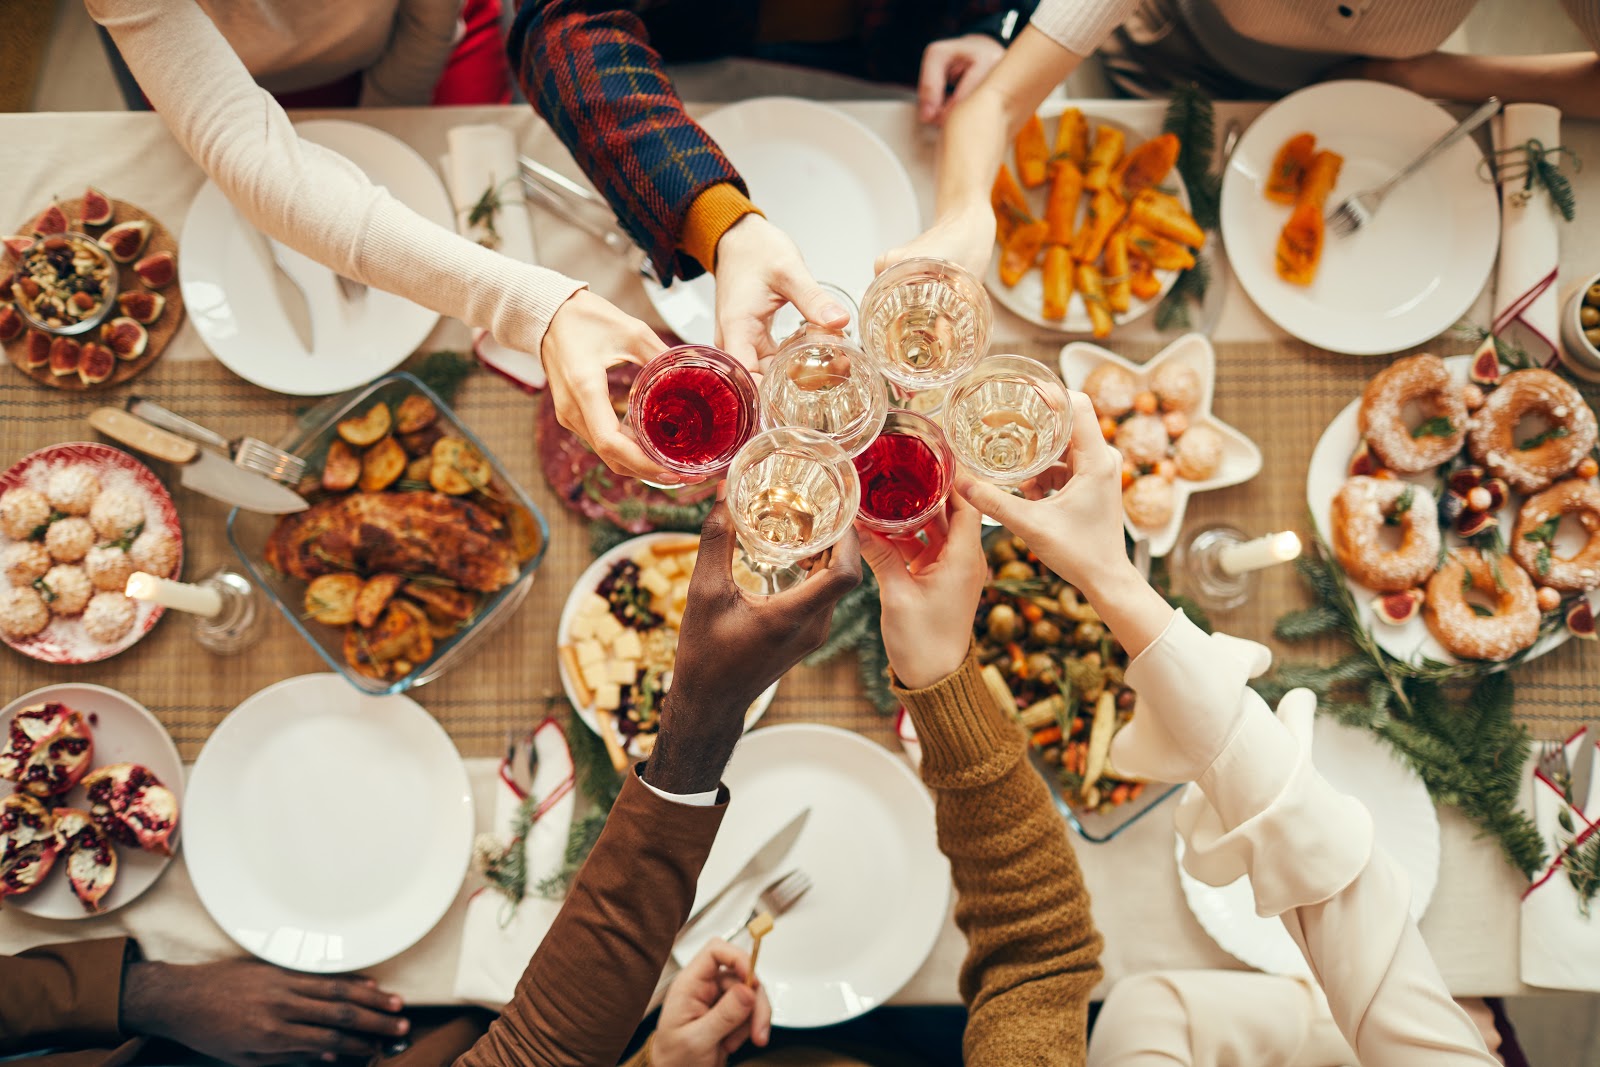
(881, 887)
(231, 291)
(820, 176)
(328, 830)
(1410, 273)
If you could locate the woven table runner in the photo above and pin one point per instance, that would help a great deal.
(1280, 394)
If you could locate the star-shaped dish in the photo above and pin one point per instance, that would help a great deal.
(1241, 459)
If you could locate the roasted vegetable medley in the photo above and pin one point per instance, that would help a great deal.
(1057, 670)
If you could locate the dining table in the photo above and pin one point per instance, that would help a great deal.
(1279, 391)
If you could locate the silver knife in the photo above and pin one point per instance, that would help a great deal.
(291, 298)
(766, 860)
(1583, 769)
(199, 469)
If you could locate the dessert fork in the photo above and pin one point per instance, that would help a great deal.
(782, 894)
(1553, 765)
(249, 453)
(1358, 210)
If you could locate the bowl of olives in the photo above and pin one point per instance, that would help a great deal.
(1580, 331)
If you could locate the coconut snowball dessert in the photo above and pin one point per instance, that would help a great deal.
(1111, 390)
(109, 617)
(23, 613)
(1198, 454)
(22, 512)
(1143, 440)
(69, 539)
(1177, 387)
(116, 514)
(66, 588)
(155, 552)
(108, 567)
(24, 561)
(72, 490)
(1149, 501)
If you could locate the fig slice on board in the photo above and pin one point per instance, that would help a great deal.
(97, 207)
(126, 241)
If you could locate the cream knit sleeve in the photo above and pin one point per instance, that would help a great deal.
(310, 198)
(420, 43)
(1080, 26)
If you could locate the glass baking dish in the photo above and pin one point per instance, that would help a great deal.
(248, 533)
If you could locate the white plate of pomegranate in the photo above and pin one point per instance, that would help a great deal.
(94, 819)
(327, 829)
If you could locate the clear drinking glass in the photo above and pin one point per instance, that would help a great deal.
(1008, 420)
(926, 322)
(692, 408)
(819, 380)
(905, 474)
(792, 494)
(787, 319)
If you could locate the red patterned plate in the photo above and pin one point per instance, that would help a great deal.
(64, 640)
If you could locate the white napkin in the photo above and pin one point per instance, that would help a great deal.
(1526, 306)
(494, 952)
(481, 157)
(1560, 947)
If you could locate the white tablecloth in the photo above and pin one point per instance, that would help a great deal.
(1471, 925)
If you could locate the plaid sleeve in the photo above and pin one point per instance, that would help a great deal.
(588, 68)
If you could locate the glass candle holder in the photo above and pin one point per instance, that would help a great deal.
(691, 409)
(905, 475)
(236, 627)
(926, 322)
(1218, 564)
(821, 381)
(792, 494)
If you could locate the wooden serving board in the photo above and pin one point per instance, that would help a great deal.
(161, 331)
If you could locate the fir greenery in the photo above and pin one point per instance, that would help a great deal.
(598, 784)
(444, 371)
(1583, 870)
(1193, 120)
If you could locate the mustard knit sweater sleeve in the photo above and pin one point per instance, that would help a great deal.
(1033, 952)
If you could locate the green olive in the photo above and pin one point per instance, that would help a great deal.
(1593, 337)
(1589, 317)
(1002, 625)
(1593, 295)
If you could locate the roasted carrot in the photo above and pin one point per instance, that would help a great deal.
(1321, 176)
(1145, 284)
(1072, 139)
(1118, 280)
(1148, 165)
(1061, 210)
(1009, 204)
(1289, 168)
(1105, 212)
(1107, 150)
(1094, 298)
(1159, 252)
(1020, 251)
(1057, 289)
(1300, 244)
(1033, 152)
(1050, 735)
(1164, 215)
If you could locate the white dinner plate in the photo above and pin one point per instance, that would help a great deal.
(1411, 272)
(881, 888)
(589, 582)
(124, 731)
(230, 289)
(1241, 459)
(1411, 641)
(821, 177)
(328, 830)
(1404, 821)
(1026, 298)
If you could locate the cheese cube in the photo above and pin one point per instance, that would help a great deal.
(593, 606)
(608, 629)
(590, 651)
(595, 675)
(624, 671)
(607, 697)
(667, 565)
(628, 646)
(656, 583)
(675, 617)
(582, 628)
(680, 593)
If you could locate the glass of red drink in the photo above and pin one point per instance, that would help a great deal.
(692, 408)
(905, 475)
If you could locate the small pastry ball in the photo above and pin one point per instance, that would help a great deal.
(72, 490)
(70, 589)
(69, 539)
(1111, 389)
(22, 613)
(24, 561)
(108, 617)
(1177, 386)
(116, 513)
(23, 511)
(155, 552)
(1199, 453)
(1143, 440)
(108, 567)
(1149, 501)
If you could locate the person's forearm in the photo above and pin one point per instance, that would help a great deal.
(693, 745)
(1569, 80)
(419, 50)
(62, 996)
(1129, 606)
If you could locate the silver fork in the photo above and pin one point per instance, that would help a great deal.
(784, 892)
(1358, 210)
(1553, 765)
(249, 453)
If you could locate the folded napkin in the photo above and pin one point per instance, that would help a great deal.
(1560, 945)
(482, 160)
(497, 941)
(1526, 307)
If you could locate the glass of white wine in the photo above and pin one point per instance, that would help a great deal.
(821, 381)
(1008, 420)
(793, 494)
(926, 322)
(787, 319)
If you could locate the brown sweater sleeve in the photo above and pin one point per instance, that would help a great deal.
(1032, 949)
(588, 985)
(62, 996)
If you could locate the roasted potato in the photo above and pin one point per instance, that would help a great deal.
(417, 470)
(1021, 250)
(1103, 157)
(421, 633)
(445, 603)
(458, 468)
(1289, 168)
(357, 653)
(421, 442)
(1009, 204)
(1033, 152)
(526, 537)
(382, 465)
(1057, 281)
(368, 428)
(331, 599)
(375, 595)
(416, 412)
(395, 634)
(342, 468)
(1072, 139)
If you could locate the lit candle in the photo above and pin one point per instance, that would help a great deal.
(1262, 552)
(196, 599)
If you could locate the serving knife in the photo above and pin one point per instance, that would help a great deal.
(1583, 768)
(199, 469)
(762, 864)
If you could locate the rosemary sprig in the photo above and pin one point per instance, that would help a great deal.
(485, 210)
(1438, 426)
(1554, 433)
(125, 542)
(1583, 870)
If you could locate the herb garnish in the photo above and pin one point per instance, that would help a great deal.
(1554, 433)
(1438, 426)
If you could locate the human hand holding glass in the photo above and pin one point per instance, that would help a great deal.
(691, 409)
(821, 381)
(925, 322)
